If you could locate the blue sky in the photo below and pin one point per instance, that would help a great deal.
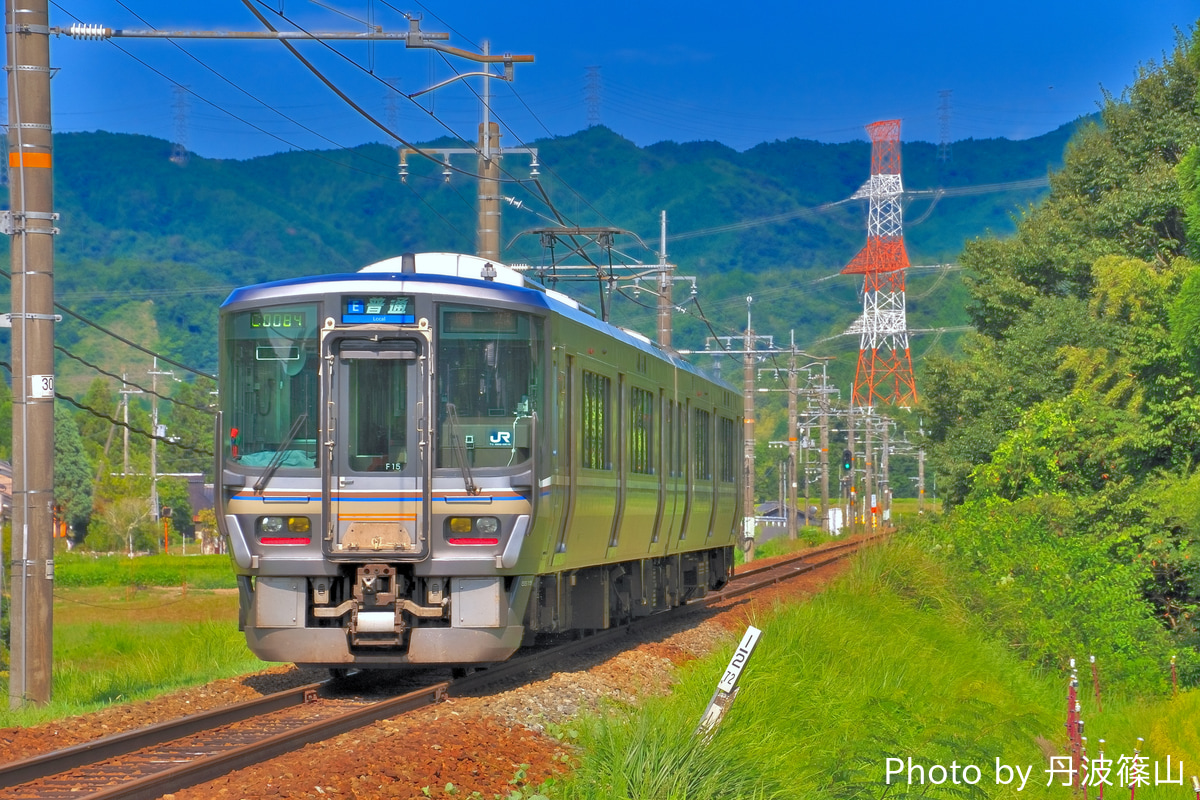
(682, 71)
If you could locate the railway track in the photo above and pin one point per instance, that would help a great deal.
(160, 759)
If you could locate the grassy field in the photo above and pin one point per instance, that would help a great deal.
(886, 665)
(128, 629)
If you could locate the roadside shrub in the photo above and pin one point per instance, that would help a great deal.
(1050, 591)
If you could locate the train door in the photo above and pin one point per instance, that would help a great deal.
(376, 446)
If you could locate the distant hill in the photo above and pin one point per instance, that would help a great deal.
(151, 248)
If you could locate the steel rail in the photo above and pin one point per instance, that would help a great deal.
(80, 755)
(210, 767)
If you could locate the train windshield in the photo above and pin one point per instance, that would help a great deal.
(269, 397)
(489, 385)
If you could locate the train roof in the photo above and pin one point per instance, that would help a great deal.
(468, 271)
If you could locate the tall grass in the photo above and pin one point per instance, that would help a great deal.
(197, 572)
(118, 646)
(886, 664)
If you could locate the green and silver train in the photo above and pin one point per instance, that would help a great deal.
(434, 460)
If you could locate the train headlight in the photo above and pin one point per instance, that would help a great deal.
(473, 530)
(299, 525)
(284, 530)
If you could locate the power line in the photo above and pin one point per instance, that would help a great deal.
(133, 428)
(121, 338)
(124, 380)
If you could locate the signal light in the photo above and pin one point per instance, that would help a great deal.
(847, 460)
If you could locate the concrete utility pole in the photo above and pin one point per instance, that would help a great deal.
(748, 509)
(488, 152)
(30, 223)
(664, 289)
(487, 234)
(851, 504)
(824, 406)
(158, 430)
(792, 433)
(921, 480)
(751, 353)
(869, 472)
(885, 481)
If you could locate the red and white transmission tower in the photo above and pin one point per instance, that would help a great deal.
(884, 371)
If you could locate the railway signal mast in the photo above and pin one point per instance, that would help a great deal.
(884, 372)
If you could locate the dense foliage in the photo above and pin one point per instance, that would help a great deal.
(1069, 433)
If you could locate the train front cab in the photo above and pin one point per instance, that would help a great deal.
(429, 493)
(376, 510)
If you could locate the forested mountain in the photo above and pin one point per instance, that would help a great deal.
(149, 248)
(146, 239)
(1072, 424)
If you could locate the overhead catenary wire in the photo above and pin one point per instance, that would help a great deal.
(128, 382)
(389, 174)
(122, 339)
(312, 68)
(121, 423)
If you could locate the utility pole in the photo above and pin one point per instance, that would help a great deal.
(824, 407)
(792, 433)
(664, 289)
(487, 152)
(921, 480)
(158, 431)
(125, 392)
(852, 517)
(885, 481)
(750, 352)
(748, 437)
(868, 472)
(30, 224)
(487, 233)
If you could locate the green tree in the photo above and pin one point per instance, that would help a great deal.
(73, 478)
(1118, 193)
(190, 421)
(96, 431)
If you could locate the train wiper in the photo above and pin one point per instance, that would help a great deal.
(280, 454)
(460, 449)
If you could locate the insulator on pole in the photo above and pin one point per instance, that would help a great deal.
(85, 30)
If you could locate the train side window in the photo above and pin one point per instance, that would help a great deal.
(641, 429)
(727, 441)
(701, 426)
(596, 423)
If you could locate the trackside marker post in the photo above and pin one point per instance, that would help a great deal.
(727, 687)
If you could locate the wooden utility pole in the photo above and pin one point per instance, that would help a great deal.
(30, 223)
